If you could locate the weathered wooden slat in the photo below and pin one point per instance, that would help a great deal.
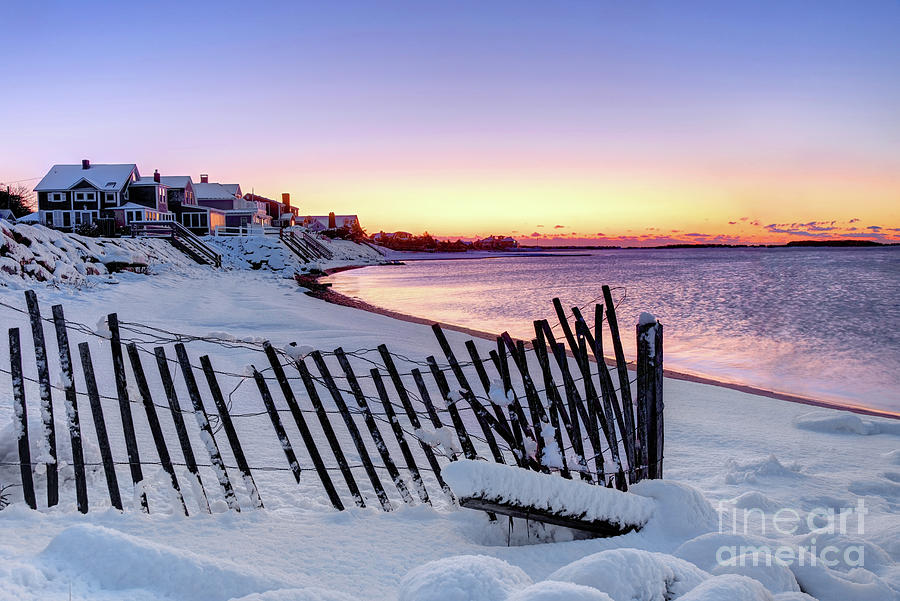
(485, 381)
(369, 419)
(153, 420)
(21, 413)
(468, 392)
(539, 416)
(576, 405)
(410, 411)
(650, 392)
(300, 421)
(624, 384)
(231, 433)
(280, 432)
(336, 449)
(586, 340)
(206, 433)
(353, 430)
(109, 466)
(184, 440)
(416, 477)
(517, 420)
(444, 388)
(71, 404)
(43, 371)
(134, 457)
(552, 393)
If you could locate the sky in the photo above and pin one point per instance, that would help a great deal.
(584, 122)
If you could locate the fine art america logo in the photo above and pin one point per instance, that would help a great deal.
(823, 527)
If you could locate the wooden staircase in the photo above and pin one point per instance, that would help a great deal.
(180, 237)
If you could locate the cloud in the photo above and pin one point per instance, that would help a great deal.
(874, 228)
(540, 225)
(535, 235)
(744, 218)
(600, 235)
(732, 222)
(854, 220)
(558, 227)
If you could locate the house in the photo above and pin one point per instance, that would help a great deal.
(229, 200)
(70, 195)
(281, 213)
(7, 215)
(495, 243)
(147, 201)
(318, 223)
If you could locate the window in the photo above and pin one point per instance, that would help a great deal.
(67, 219)
(110, 197)
(90, 196)
(77, 217)
(48, 218)
(79, 196)
(57, 197)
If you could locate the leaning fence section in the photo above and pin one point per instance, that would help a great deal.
(368, 427)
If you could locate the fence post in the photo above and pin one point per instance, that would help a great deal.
(190, 461)
(71, 404)
(557, 410)
(354, 431)
(373, 427)
(109, 466)
(206, 433)
(21, 411)
(134, 458)
(230, 432)
(43, 370)
(410, 411)
(624, 384)
(538, 413)
(336, 449)
(291, 401)
(398, 434)
(153, 420)
(650, 390)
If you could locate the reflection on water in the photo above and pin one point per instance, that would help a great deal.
(823, 323)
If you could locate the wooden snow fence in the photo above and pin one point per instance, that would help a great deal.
(366, 427)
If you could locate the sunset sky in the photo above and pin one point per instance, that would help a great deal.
(593, 122)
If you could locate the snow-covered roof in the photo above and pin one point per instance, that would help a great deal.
(131, 206)
(148, 181)
(216, 191)
(7, 214)
(176, 181)
(102, 177)
(30, 218)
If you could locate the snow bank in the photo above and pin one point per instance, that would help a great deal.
(730, 587)
(509, 484)
(117, 561)
(753, 471)
(463, 578)
(34, 253)
(627, 574)
(765, 568)
(267, 253)
(845, 423)
(826, 584)
(680, 511)
(550, 590)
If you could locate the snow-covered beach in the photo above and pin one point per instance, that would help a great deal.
(807, 480)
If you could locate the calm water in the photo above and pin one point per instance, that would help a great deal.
(823, 323)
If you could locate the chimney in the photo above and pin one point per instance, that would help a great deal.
(286, 198)
(85, 163)
(156, 175)
(204, 178)
(331, 221)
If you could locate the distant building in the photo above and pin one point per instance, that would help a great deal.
(495, 243)
(318, 223)
(228, 200)
(281, 212)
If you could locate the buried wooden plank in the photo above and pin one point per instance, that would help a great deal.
(602, 528)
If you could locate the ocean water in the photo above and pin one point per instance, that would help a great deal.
(822, 323)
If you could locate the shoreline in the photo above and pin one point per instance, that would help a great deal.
(336, 298)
